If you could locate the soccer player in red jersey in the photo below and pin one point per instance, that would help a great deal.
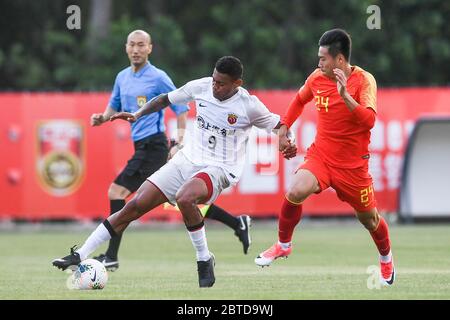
(345, 98)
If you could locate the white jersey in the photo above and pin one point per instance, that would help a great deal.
(222, 128)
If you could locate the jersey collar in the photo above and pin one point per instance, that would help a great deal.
(238, 92)
(141, 72)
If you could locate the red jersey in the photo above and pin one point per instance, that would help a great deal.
(341, 140)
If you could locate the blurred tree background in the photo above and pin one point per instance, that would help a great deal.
(275, 39)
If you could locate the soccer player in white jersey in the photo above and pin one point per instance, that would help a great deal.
(211, 162)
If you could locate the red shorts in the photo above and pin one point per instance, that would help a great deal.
(353, 186)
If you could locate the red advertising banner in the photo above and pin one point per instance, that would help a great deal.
(54, 165)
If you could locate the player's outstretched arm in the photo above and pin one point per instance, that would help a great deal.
(127, 116)
(154, 105)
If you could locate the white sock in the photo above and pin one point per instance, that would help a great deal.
(198, 239)
(100, 235)
(285, 246)
(386, 259)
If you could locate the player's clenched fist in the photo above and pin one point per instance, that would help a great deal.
(97, 119)
(286, 142)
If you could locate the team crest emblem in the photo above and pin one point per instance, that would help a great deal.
(232, 118)
(60, 156)
(141, 100)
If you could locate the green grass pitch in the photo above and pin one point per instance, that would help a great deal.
(329, 261)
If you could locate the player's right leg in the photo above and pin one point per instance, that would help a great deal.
(147, 197)
(304, 184)
(355, 186)
(379, 231)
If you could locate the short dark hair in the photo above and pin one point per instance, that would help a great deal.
(231, 66)
(337, 41)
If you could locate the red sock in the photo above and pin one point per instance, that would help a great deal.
(289, 217)
(381, 237)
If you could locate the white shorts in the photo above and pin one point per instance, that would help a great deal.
(170, 177)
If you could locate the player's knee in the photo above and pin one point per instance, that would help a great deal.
(112, 194)
(116, 192)
(370, 225)
(369, 221)
(185, 199)
(293, 196)
(298, 194)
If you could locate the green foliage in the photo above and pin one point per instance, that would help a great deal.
(276, 40)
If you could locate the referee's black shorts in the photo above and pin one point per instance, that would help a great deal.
(150, 154)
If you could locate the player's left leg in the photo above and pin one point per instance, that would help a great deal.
(197, 190)
(240, 224)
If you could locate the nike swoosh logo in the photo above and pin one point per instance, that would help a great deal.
(318, 91)
(95, 276)
(390, 282)
(242, 226)
(201, 105)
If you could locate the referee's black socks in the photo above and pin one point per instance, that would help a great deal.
(114, 243)
(216, 213)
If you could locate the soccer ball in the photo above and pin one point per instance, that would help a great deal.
(90, 275)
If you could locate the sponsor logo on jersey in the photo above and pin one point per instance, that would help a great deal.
(202, 124)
